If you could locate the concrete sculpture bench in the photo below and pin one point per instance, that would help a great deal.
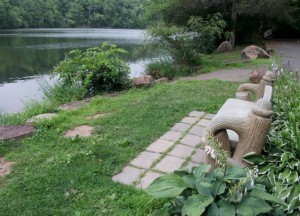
(241, 126)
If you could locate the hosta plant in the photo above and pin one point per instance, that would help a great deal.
(224, 191)
(279, 166)
(227, 190)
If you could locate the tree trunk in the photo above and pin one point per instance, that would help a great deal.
(233, 28)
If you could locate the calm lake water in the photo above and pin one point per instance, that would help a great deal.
(30, 54)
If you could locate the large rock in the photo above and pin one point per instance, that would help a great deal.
(15, 132)
(46, 116)
(254, 52)
(225, 46)
(143, 81)
(257, 75)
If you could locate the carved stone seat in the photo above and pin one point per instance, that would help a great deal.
(240, 125)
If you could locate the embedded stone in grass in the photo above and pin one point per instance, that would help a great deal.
(82, 131)
(5, 167)
(74, 105)
(97, 116)
(15, 132)
(46, 116)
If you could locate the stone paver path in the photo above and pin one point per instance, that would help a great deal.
(177, 148)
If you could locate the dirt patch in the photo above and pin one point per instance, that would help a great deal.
(5, 167)
(75, 105)
(15, 132)
(97, 116)
(81, 131)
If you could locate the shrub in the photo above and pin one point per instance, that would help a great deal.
(224, 191)
(279, 167)
(185, 43)
(97, 69)
(166, 68)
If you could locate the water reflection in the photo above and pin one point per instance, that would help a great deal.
(27, 53)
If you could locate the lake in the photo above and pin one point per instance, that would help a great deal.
(27, 55)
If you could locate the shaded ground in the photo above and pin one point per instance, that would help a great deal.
(289, 50)
(236, 75)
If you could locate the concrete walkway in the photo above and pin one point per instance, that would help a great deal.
(177, 148)
(235, 75)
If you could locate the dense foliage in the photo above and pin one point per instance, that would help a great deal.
(227, 190)
(279, 168)
(246, 19)
(97, 69)
(71, 13)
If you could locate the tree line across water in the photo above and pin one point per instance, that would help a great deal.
(71, 13)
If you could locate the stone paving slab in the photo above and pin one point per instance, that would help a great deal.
(197, 114)
(203, 122)
(169, 164)
(148, 179)
(160, 146)
(171, 136)
(190, 120)
(178, 146)
(145, 159)
(182, 151)
(199, 156)
(197, 130)
(191, 140)
(128, 175)
(181, 127)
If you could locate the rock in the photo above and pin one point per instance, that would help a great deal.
(254, 52)
(162, 80)
(97, 116)
(5, 167)
(82, 131)
(225, 46)
(143, 81)
(46, 116)
(257, 75)
(15, 132)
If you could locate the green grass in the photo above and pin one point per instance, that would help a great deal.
(58, 176)
(230, 60)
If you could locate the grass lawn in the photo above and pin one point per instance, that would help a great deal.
(58, 176)
(218, 61)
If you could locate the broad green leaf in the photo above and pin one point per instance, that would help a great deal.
(287, 172)
(295, 193)
(293, 178)
(226, 208)
(265, 196)
(213, 210)
(218, 187)
(295, 204)
(254, 158)
(257, 205)
(196, 204)
(167, 186)
(203, 187)
(266, 168)
(190, 180)
(235, 173)
(201, 170)
(285, 193)
(219, 173)
(244, 210)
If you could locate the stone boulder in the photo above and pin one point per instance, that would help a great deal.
(46, 116)
(225, 46)
(15, 132)
(257, 75)
(254, 52)
(143, 81)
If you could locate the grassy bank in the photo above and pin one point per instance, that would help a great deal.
(58, 176)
